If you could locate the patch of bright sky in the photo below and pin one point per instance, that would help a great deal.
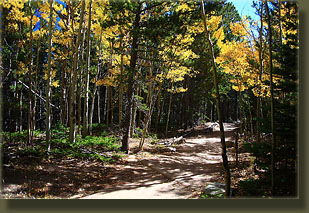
(61, 2)
(38, 24)
(244, 7)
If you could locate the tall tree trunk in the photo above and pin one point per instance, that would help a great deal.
(111, 108)
(108, 107)
(258, 103)
(92, 110)
(85, 124)
(186, 107)
(105, 105)
(168, 113)
(36, 82)
(74, 78)
(108, 88)
(64, 90)
(227, 175)
(241, 113)
(131, 74)
(272, 114)
(158, 110)
(95, 89)
(99, 107)
(251, 119)
(64, 102)
(132, 126)
(152, 103)
(16, 99)
(139, 111)
(30, 127)
(121, 83)
(48, 86)
(21, 110)
(41, 105)
(150, 88)
(80, 87)
(280, 23)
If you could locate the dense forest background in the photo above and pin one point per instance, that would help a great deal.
(72, 70)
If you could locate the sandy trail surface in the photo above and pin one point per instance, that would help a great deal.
(170, 175)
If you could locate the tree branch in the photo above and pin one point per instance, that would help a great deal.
(27, 87)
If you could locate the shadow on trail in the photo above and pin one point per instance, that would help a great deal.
(195, 163)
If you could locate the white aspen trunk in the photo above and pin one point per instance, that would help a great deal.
(85, 124)
(72, 104)
(48, 86)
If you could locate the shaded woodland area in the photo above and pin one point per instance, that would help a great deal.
(82, 81)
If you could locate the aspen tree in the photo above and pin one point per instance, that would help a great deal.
(48, 86)
(30, 121)
(80, 86)
(227, 175)
(85, 124)
(72, 104)
(95, 88)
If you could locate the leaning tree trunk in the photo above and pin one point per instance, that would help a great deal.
(48, 88)
(85, 124)
(272, 114)
(152, 102)
(227, 175)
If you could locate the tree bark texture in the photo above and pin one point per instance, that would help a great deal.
(128, 115)
(227, 175)
(85, 124)
(48, 86)
(72, 104)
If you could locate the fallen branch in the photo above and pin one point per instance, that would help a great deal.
(19, 81)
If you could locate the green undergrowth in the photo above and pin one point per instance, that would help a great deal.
(207, 196)
(103, 146)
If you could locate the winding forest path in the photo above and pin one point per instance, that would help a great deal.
(170, 175)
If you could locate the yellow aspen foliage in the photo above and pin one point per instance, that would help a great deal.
(175, 90)
(55, 83)
(106, 81)
(22, 68)
(182, 6)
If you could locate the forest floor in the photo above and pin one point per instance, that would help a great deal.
(155, 172)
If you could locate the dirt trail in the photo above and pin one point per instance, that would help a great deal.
(170, 175)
